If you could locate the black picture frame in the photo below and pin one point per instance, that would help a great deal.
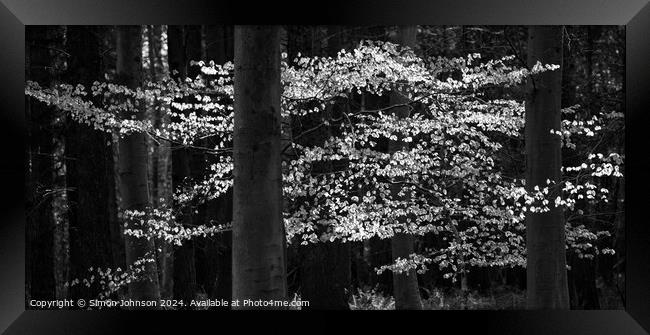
(15, 14)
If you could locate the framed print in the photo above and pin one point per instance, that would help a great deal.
(172, 165)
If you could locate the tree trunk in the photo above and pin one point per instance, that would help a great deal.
(116, 224)
(216, 258)
(184, 261)
(259, 240)
(405, 285)
(325, 275)
(583, 293)
(547, 286)
(184, 44)
(90, 167)
(376, 251)
(43, 66)
(218, 43)
(161, 162)
(219, 251)
(133, 166)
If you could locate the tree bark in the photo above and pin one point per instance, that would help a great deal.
(259, 240)
(133, 166)
(90, 167)
(184, 45)
(405, 285)
(219, 252)
(161, 161)
(583, 293)
(547, 286)
(214, 270)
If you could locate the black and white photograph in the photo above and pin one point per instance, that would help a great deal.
(213, 165)
(325, 167)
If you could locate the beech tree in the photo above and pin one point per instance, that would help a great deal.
(133, 167)
(258, 232)
(160, 167)
(444, 139)
(545, 232)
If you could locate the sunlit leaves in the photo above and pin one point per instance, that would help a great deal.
(451, 179)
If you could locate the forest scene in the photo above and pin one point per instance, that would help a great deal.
(325, 167)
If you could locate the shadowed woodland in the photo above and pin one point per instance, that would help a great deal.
(348, 167)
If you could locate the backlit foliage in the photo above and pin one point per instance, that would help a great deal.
(451, 176)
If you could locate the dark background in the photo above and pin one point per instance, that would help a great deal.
(338, 12)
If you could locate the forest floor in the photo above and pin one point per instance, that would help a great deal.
(499, 298)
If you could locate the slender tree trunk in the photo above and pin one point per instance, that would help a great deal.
(259, 240)
(216, 275)
(133, 166)
(108, 41)
(619, 241)
(405, 284)
(60, 213)
(184, 261)
(162, 162)
(197, 166)
(183, 46)
(583, 293)
(61, 233)
(620, 237)
(545, 235)
(219, 251)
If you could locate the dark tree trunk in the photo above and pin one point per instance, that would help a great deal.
(583, 293)
(216, 270)
(118, 241)
(376, 251)
(325, 275)
(568, 75)
(43, 66)
(259, 240)
(161, 162)
(325, 266)
(405, 285)
(184, 46)
(218, 43)
(619, 241)
(620, 237)
(197, 162)
(218, 251)
(184, 261)
(90, 168)
(582, 279)
(61, 244)
(545, 236)
(133, 166)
